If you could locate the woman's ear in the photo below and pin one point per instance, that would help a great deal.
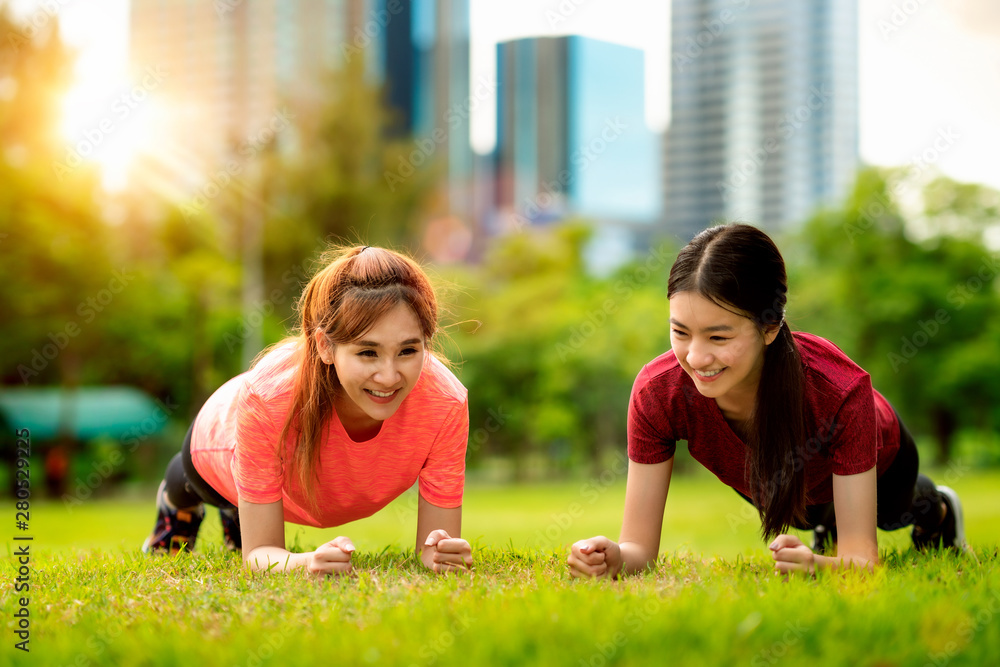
(771, 332)
(323, 345)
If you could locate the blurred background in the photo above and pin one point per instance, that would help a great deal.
(171, 171)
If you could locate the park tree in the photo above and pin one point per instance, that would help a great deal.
(902, 278)
(54, 264)
(553, 362)
(142, 300)
(354, 176)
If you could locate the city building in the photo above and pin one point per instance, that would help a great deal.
(572, 140)
(227, 67)
(423, 58)
(764, 111)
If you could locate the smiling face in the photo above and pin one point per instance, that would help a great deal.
(721, 351)
(377, 371)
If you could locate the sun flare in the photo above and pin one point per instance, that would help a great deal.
(112, 124)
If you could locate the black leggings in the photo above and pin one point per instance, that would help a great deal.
(905, 497)
(185, 486)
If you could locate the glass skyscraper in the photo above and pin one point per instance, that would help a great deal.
(424, 61)
(571, 133)
(764, 111)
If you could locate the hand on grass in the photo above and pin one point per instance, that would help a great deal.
(595, 557)
(791, 555)
(444, 553)
(332, 558)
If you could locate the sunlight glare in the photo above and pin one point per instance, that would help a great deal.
(111, 124)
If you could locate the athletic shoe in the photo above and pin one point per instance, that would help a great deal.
(175, 530)
(824, 539)
(951, 533)
(231, 536)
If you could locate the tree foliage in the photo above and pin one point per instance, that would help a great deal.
(908, 287)
(558, 349)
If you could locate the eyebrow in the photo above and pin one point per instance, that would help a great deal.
(717, 327)
(371, 343)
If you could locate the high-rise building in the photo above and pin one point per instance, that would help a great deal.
(572, 138)
(764, 111)
(228, 65)
(424, 61)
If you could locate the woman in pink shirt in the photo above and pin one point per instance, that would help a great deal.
(329, 426)
(787, 420)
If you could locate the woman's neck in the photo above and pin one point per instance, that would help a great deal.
(735, 408)
(356, 422)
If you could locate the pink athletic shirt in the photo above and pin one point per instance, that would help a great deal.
(235, 448)
(850, 427)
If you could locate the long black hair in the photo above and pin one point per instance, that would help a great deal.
(738, 267)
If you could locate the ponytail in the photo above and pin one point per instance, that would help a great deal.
(774, 470)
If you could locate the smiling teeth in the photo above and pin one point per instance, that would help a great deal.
(708, 374)
(381, 394)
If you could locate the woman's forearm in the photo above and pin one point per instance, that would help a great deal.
(847, 561)
(635, 557)
(263, 559)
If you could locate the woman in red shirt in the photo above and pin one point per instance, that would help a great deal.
(787, 420)
(329, 426)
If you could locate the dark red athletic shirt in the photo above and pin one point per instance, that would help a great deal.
(850, 427)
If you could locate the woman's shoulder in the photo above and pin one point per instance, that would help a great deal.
(822, 359)
(437, 383)
(663, 368)
(273, 374)
(662, 376)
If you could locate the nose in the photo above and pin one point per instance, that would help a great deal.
(699, 356)
(387, 374)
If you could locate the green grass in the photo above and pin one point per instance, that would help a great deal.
(711, 600)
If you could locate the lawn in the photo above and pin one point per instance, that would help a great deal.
(711, 600)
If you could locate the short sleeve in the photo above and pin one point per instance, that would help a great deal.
(854, 433)
(257, 468)
(442, 478)
(650, 438)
